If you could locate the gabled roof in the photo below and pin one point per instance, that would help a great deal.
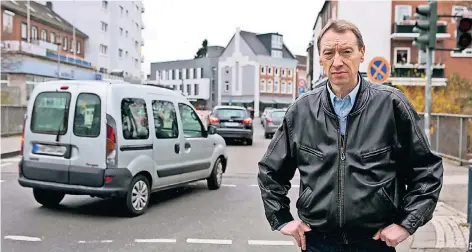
(42, 14)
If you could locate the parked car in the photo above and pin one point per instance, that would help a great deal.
(232, 123)
(135, 140)
(264, 114)
(272, 121)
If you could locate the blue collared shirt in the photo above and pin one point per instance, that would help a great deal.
(342, 106)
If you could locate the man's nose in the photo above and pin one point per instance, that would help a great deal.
(337, 60)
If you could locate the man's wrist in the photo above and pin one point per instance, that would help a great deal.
(281, 226)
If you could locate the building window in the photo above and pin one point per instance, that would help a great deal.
(52, 37)
(44, 35)
(189, 89)
(24, 31)
(226, 86)
(283, 72)
(269, 70)
(402, 55)
(121, 10)
(276, 87)
(180, 74)
(402, 12)
(270, 86)
(262, 87)
(195, 89)
(8, 21)
(121, 31)
(276, 54)
(201, 73)
(276, 71)
(65, 44)
(105, 4)
(79, 45)
(126, 54)
(262, 70)
(283, 87)
(104, 26)
(34, 33)
(126, 33)
(103, 49)
(277, 41)
(289, 73)
(289, 87)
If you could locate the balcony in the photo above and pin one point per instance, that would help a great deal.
(403, 30)
(416, 77)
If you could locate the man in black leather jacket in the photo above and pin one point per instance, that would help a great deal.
(368, 178)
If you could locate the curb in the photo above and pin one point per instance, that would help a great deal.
(10, 154)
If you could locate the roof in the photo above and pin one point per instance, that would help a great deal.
(260, 44)
(42, 14)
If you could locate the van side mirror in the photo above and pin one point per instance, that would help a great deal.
(211, 130)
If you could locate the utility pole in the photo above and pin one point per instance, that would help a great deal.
(28, 21)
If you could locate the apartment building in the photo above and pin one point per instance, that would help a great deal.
(195, 78)
(115, 31)
(388, 32)
(256, 70)
(30, 50)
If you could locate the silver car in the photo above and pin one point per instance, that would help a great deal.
(272, 121)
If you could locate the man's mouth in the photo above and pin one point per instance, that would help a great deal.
(338, 73)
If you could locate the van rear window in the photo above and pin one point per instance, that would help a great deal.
(50, 113)
(87, 115)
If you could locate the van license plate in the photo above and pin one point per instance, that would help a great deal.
(52, 150)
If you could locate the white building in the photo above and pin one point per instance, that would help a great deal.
(114, 29)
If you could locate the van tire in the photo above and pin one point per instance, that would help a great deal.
(216, 177)
(136, 186)
(48, 198)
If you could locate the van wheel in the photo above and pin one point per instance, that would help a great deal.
(48, 198)
(138, 196)
(216, 177)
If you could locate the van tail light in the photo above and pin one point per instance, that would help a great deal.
(22, 139)
(111, 145)
(247, 121)
(213, 120)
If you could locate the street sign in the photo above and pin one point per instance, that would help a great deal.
(378, 70)
(301, 90)
(302, 83)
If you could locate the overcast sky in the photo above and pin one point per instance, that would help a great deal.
(175, 29)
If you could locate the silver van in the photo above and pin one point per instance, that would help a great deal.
(115, 139)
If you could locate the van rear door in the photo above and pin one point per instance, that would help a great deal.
(88, 135)
(47, 148)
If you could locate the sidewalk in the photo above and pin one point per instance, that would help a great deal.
(10, 146)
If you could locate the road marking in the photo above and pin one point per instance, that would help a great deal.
(5, 164)
(210, 241)
(225, 185)
(11, 159)
(254, 185)
(155, 240)
(22, 238)
(102, 241)
(270, 243)
(1, 181)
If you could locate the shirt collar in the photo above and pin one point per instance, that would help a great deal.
(352, 95)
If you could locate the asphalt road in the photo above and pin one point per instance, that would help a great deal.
(191, 218)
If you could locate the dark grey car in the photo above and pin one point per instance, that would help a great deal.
(272, 121)
(232, 123)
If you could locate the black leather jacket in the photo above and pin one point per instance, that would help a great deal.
(384, 172)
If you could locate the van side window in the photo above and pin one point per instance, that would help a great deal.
(165, 120)
(50, 113)
(134, 119)
(191, 123)
(87, 115)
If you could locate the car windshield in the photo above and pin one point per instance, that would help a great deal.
(230, 113)
(277, 114)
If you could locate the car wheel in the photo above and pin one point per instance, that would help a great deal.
(266, 135)
(138, 196)
(249, 142)
(216, 177)
(48, 198)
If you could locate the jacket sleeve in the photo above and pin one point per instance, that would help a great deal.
(422, 169)
(276, 169)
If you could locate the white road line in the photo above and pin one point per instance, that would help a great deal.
(1, 181)
(102, 241)
(225, 185)
(254, 185)
(210, 241)
(5, 164)
(155, 240)
(270, 243)
(22, 238)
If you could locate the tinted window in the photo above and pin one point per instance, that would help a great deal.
(87, 115)
(230, 113)
(134, 119)
(50, 113)
(165, 119)
(191, 124)
(277, 114)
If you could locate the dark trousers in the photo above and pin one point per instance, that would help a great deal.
(319, 242)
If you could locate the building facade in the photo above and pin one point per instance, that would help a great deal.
(195, 78)
(301, 75)
(115, 31)
(30, 56)
(256, 70)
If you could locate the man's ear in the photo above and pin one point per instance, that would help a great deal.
(363, 53)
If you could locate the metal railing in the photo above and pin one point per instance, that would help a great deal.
(12, 119)
(451, 136)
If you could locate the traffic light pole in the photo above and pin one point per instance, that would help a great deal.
(427, 107)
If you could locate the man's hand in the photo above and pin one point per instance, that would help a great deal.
(392, 235)
(297, 229)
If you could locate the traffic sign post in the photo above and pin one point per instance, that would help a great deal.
(378, 70)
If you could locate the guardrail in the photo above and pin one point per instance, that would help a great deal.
(451, 136)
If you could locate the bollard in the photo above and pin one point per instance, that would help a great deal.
(469, 206)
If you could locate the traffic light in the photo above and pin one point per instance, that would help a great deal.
(464, 37)
(426, 26)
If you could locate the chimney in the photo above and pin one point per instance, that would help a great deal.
(49, 5)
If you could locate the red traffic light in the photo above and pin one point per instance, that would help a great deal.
(464, 40)
(465, 25)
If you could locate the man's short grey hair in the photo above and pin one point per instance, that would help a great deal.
(341, 26)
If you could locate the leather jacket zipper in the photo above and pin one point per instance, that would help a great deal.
(342, 168)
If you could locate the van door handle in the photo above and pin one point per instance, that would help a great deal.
(177, 148)
(187, 146)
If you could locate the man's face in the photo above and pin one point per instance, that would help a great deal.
(341, 57)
